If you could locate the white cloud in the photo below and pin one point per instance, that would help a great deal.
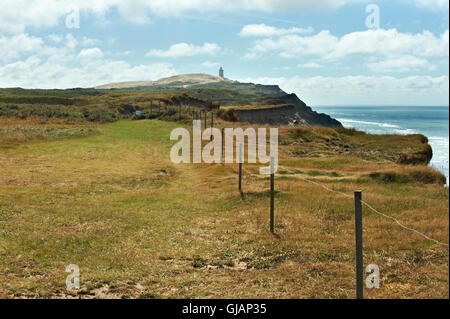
(185, 49)
(17, 15)
(431, 4)
(58, 73)
(386, 42)
(134, 10)
(14, 47)
(176, 7)
(56, 38)
(310, 65)
(281, 68)
(63, 66)
(85, 41)
(262, 30)
(364, 90)
(293, 45)
(369, 42)
(400, 64)
(71, 42)
(88, 55)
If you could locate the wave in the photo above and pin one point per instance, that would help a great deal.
(439, 144)
(405, 131)
(439, 140)
(387, 125)
(440, 151)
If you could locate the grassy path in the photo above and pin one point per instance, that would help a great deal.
(139, 226)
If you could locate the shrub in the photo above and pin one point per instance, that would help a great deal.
(417, 158)
(427, 175)
(228, 115)
(127, 109)
(423, 175)
(72, 112)
(389, 177)
(349, 131)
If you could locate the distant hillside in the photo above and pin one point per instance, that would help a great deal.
(177, 81)
(199, 81)
(229, 92)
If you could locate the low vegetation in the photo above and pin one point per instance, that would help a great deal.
(422, 175)
(256, 107)
(321, 141)
(107, 198)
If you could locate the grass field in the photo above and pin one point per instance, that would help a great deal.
(110, 200)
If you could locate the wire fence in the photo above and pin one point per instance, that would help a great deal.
(334, 191)
(377, 212)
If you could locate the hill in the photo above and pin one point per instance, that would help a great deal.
(229, 92)
(182, 80)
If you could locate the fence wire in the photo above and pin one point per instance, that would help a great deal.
(377, 212)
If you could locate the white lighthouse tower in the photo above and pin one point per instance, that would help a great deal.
(221, 72)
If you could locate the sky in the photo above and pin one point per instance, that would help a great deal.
(328, 52)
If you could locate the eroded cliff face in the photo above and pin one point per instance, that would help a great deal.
(203, 90)
(278, 115)
(308, 115)
(295, 115)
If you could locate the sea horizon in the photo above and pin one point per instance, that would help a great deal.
(375, 105)
(431, 121)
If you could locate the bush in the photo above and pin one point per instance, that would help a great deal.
(169, 114)
(389, 177)
(228, 115)
(428, 175)
(72, 112)
(349, 131)
(100, 115)
(418, 158)
(423, 175)
(127, 109)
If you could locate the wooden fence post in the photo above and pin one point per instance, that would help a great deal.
(221, 149)
(240, 167)
(206, 113)
(359, 245)
(272, 194)
(151, 107)
(159, 107)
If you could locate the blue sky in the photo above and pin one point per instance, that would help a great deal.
(322, 50)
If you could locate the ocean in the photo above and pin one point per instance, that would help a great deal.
(431, 121)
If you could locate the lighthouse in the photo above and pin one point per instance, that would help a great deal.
(221, 72)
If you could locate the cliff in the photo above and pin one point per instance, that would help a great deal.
(227, 92)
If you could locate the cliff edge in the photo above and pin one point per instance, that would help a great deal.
(237, 94)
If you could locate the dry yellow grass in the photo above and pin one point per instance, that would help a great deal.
(140, 226)
(255, 107)
(16, 131)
